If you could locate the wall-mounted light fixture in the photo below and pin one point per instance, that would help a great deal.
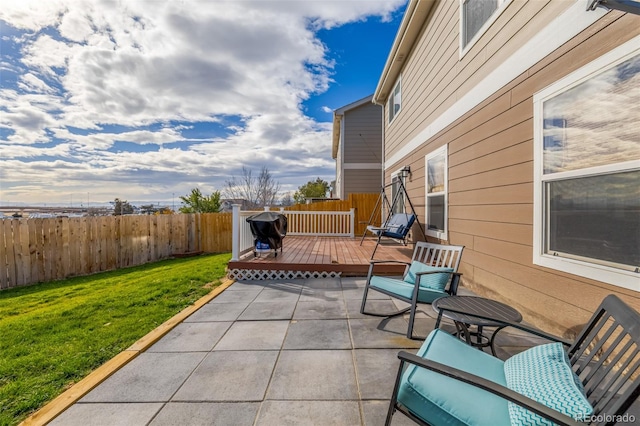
(629, 6)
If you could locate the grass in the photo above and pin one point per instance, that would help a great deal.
(54, 334)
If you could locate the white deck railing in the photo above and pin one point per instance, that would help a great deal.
(325, 224)
(311, 223)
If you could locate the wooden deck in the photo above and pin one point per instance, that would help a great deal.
(334, 255)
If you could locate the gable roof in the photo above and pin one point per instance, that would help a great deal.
(414, 18)
(337, 122)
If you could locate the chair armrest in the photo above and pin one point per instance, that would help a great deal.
(437, 272)
(490, 386)
(375, 262)
(517, 325)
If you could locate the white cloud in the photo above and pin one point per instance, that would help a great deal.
(137, 65)
(31, 83)
(27, 116)
(31, 14)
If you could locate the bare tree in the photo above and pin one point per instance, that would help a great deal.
(286, 200)
(257, 191)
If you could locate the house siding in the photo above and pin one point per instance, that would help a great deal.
(339, 176)
(359, 159)
(363, 131)
(361, 181)
(491, 153)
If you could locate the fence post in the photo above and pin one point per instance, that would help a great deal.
(353, 222)
(235, 232)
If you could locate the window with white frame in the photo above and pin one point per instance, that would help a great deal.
(436, 193)
(398, 194)
(587, 171)
(476, 16)
(395, 100)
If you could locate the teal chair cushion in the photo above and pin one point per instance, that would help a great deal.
(405, 290)
(441, 400)
(432, 281)
(543, 373)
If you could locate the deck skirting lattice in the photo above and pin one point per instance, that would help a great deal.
(266, 274)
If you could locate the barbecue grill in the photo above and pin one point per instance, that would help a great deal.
(268, 229)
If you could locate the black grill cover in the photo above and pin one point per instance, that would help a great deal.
(268, 228)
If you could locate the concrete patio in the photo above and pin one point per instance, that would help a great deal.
(295, 352)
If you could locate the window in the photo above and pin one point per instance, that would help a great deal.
(436, 193)
(477, 16)
(395, 101)
(397, 192)
(587, 194)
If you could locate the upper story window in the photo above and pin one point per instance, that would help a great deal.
(587, 171)
(477, 16)
(436, 193)
(395, 100)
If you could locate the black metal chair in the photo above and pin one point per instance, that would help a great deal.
(431, 273)
(448, 379)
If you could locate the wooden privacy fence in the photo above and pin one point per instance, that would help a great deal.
(37, 250)
(215, 232)
(46, 249)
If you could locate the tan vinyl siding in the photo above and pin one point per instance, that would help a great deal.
(514, 28)
(435, 77)
(427, 79)
(490, 162)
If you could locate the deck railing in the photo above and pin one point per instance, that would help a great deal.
(311, 223)
(242, 239)
(325, 224)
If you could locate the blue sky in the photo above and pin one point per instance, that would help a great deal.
(145, 100)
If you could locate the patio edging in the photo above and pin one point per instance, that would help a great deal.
(63, 401)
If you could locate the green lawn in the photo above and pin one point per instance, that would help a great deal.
(54, 334)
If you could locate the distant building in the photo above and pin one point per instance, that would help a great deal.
(357, 147)
(226, 205)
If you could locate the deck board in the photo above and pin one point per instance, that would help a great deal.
(327, 254)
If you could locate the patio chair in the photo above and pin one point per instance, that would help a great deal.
(594, 381)
(432, 273)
